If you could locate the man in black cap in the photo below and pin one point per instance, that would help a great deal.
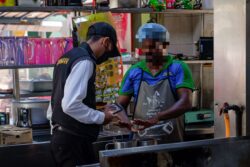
(75, 120)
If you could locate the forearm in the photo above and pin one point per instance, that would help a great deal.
(179, 108)
(124, 101)
(81, 112)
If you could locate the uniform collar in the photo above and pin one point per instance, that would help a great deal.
(86, 46)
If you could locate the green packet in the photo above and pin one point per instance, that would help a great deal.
(157, 5)
(188, 4)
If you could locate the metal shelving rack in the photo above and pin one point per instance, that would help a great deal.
(26, 66)
(91, 9)
(16, 91)
(66, 9)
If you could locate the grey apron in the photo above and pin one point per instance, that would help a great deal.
(154, 99)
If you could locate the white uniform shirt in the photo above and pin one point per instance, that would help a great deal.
(75, 90)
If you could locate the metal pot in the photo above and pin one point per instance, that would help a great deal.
(121, 144)
(31, 110)
(146, 142)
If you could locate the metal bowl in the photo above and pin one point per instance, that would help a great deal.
(121, 144)
(146, 142)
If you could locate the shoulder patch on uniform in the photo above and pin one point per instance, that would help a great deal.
(63, 61)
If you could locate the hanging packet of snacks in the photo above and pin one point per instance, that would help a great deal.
(109, 73)
(157, 5)
(108, 77)
(197, 4)
(183, 4)
(7, 3)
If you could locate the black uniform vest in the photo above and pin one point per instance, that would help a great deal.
(61, 72)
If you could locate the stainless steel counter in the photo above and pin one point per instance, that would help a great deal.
(213, 149)
(232, 152)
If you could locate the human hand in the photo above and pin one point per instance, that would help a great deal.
(117, 112)
(123, 124)
(143, 124)
(127, 125)
(108, 116)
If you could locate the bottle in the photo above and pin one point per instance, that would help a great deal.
(52, 2)
(103, 3)
(170, 4)
(138, 53)
(24, 117)
(7, 111)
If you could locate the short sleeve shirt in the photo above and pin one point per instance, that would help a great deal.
(177, 71)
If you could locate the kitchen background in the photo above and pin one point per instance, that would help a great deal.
(189, 33)
(221, 77)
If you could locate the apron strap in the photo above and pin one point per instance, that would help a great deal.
(142, 72)
(171, 87)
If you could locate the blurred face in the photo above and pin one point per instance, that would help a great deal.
(154, 51)
(107, 46)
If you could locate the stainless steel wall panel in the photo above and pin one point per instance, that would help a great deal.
(230, 58)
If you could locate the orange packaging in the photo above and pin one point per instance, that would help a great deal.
(7, 3)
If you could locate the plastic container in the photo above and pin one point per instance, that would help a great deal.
(208, 4)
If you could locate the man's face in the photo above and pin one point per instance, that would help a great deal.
(154, 51)
(107, 46)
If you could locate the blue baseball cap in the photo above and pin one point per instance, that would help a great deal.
(153, 31)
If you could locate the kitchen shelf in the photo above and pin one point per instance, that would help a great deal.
(199, 61)
(6, 96)
(186, 61)
(35, 94)
(124, 62)
(130, 62)
(26, 66)
(199, 129)
(89, 9)
(31, 94)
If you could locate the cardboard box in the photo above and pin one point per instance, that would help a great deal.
(15, 135)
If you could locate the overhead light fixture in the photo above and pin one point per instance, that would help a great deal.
(37, 28)
(78, 20)
(48, 23)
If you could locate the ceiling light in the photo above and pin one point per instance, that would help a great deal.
(48, 23)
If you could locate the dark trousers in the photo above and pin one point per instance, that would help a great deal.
(69, 150)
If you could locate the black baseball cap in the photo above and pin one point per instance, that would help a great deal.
(105, 30)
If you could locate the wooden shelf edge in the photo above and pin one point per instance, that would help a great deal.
(26, 66)
(90, 9)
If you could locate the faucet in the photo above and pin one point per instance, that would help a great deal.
(238, 112)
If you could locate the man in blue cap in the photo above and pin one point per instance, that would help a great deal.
(160, 85)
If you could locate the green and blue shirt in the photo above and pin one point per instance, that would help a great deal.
(177, 71)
